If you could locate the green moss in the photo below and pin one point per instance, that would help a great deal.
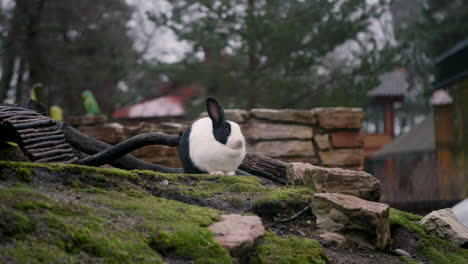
(235, 201)
(432, 248)
(77, 184)
(25, 174)
(406, 220)
(14, 224)
(105, 226)
(28, 167)
(289, 250)
(240, 187)
(407, 260)
(93, 190)
(285, 201)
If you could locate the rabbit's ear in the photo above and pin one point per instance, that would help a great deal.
(215, 111)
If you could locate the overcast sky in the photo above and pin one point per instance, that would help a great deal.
(164, 45)
(167, 48)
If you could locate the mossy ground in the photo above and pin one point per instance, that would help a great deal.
(52, 226)
(69, 214)
(289, 250)
(429, 247)
(229, 193)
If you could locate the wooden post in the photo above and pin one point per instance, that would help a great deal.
(444, 143)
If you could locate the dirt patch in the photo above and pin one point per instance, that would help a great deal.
(406, 240)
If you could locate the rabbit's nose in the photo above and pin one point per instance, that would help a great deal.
(237, 144)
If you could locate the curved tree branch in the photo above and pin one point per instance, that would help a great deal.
(121, 149)
(117, 155)
(90, 145)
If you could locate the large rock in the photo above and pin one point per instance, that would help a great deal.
(260, 130)
(342, 157)
(335, 180)
(238, 233)
(285, 115)
(282, 148)
(339, 117)
(362, 222)
(445, 224)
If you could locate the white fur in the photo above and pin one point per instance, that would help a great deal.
(212, 156)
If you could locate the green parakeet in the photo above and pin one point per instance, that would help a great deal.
(90, 104)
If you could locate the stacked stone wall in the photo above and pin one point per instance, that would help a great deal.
(328, 137)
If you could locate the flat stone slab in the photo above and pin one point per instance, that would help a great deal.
(340, 117)
(335, 180)
(87, 120)
(443, 223)
(237, 231)
(285, 115)
(362, 222)
(282, 148)
(261, 130)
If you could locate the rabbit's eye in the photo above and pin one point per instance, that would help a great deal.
(226, 129)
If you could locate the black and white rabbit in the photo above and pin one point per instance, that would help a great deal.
(212, 144)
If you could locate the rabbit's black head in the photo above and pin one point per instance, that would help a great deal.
(221, 127)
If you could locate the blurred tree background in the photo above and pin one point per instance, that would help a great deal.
(280, 53)
(424, 29)
(65, 47)
(248, 53)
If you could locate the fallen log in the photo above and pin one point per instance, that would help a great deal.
(266, 167)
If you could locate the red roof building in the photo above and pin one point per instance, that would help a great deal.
(170, 103)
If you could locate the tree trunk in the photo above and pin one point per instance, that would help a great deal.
(20, 92)
(252, 53)
(10, 48)
(33, 52)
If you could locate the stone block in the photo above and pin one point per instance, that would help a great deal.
(87, 120)
(282, 148)
(167, 128)
(238, 233)
(362, 222)
(339, 117)
(347, 139)
(285, 115)
(111, 133)
(260, 130)
(323, 141)
(443, 223)
(155, 150)
(335, 180)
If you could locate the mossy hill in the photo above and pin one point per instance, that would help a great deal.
(51, 213)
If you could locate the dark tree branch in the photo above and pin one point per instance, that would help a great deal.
(117, 155)
(91, 146)
(129, 145)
